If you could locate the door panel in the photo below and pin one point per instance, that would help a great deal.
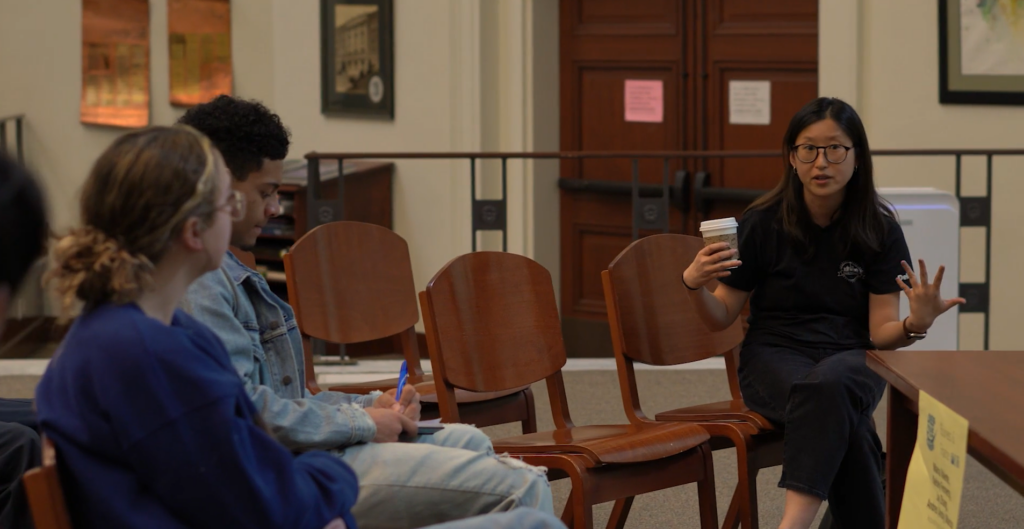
(791, 88)
(603, 127)
(756, 41)
(694, 48)
(614, 17)
(598, 245)
(757, 17)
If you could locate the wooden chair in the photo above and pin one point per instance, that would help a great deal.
(653, 322)
(352, 282)
(492, 324)
(45, 497)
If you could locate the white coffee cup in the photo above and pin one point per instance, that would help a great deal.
(721, 230)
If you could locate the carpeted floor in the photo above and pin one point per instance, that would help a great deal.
(987, 502)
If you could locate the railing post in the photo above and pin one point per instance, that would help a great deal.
(504, 203)
(988, 251)
(472, 200)
(320, 211)
(18, 143)
(977, 212)
(665, 211)
(490, 215)
(636, 199)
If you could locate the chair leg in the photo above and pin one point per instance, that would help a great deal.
(706, 492)
(529, 422)
(578, 513)
(743, 507)
(620, 512)
(732, 516)
(749, 515)
(567, 512)
(582, 506)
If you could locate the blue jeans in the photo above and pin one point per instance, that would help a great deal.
(517, 519)
(824, 401)
(19, 411)
(19, 451)
(451, 475)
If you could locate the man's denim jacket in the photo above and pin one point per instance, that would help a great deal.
(261, 335)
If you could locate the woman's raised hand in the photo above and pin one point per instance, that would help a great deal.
(925, 298)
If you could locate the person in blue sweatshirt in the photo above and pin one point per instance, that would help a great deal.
(151, 423)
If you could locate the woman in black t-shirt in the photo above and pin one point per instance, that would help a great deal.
(824, 261)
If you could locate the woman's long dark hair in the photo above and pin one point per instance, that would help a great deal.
(862, 214)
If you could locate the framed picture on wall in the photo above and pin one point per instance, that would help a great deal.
(981, 53)
(356, 58)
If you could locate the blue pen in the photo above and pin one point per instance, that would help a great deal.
(403, 374)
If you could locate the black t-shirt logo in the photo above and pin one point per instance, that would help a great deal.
(850, 271)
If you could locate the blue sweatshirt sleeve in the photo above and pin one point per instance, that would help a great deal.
(213, 467)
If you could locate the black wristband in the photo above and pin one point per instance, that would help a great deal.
(683, 279)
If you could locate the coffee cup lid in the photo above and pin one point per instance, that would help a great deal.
(718, 224)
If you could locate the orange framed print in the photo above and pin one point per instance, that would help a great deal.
(115, 63)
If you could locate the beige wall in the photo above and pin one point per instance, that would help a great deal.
(454, 91)
(40, 76)
(426, 200)
(472, 74)
(882, 56)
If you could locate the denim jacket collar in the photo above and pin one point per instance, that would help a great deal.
(236, 270)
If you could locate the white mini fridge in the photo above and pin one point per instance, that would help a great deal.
(930, 219)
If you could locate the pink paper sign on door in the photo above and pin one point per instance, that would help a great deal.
(644, 101)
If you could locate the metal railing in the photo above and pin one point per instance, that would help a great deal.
(15, 122)
(651, 202)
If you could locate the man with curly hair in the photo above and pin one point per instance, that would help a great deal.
(22, 239)
(450, 475)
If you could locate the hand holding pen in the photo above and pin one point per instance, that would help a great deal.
(409, 402)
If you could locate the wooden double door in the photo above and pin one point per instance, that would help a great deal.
(758, 57)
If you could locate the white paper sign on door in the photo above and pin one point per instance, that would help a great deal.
(644, 101)
(750, 102)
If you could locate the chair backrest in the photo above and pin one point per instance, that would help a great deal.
(492, 324)
(656, 320)
(351, 282)
(45, 497)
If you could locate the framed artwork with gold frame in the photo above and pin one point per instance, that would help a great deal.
(981, 53)
(356, 58)
(115, 63)
(199, 34)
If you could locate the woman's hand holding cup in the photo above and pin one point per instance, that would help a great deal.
(712, 262)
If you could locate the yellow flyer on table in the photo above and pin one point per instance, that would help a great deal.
(935, 479)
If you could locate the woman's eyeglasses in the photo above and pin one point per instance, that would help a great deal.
(834, 153)
(235, 205)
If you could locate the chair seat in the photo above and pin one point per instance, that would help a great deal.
(385, 384)
(428, 393)
(427, 390)
(729, 410)
(621, 443)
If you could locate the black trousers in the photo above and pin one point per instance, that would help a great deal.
(19, 452)
(20, 411)
(823, 400)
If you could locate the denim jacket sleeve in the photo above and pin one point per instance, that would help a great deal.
(336, 397)
(333, 421)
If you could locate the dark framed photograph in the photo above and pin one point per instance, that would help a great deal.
(981, 53)
(356, 58)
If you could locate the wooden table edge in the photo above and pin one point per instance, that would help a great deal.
(977, 446)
